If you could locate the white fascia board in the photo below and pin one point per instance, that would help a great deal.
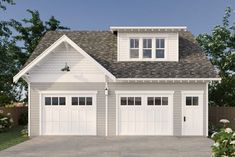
(64, 38)
(116, 28)
(168, 79)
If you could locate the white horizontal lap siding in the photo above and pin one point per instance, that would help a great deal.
(171, 44)
(81, 69)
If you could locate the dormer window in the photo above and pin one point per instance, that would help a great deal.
(134, 48)
(160, 48)
(147, 48)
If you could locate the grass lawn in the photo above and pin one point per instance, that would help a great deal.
(11, 137)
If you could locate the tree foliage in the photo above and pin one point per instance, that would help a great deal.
(219, 46)
(31, 30)
(15, 49)
(8, 59)
(3, 3)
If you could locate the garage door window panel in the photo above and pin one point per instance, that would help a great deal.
(88, 101)
(62, 101)
(157, 100)
(74, 100)
(82, 101)
(47, 100)
(137, 101)
(164, 100)
(55, 101)
(150, 100)
(123, 100)
(130, 100)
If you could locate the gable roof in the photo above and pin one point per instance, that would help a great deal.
(102, 46)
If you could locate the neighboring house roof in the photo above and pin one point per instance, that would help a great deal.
(102, 46)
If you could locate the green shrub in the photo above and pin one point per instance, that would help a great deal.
(5, 121)
(23, 120)
(224, 145)
(24, 132)
(213, 128)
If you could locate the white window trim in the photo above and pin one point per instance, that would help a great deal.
(59, 93)
(141, 58)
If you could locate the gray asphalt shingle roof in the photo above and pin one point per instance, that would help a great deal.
(102, 46)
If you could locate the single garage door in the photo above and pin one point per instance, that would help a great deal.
(73, 114)
(145, 114)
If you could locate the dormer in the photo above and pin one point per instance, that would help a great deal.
(147, 43)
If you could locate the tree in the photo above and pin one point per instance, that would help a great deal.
(30, 31)
(4, 2)
(220, 48)
(8, 59)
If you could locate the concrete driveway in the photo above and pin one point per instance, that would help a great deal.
(77, 146)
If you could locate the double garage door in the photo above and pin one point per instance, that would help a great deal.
(145, 114)
(68, 114)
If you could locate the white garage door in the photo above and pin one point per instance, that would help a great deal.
(73, 114)
(145, 114)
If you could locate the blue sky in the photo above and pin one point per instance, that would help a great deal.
(199, 16)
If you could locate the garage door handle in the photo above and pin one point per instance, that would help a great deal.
(184, 118)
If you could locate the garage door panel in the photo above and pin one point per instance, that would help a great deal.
(140, 128)
(68, 118)
(90, 130)
(152, 117)
(90, 116)
(150, 127)
(55, 115)
(47, 115)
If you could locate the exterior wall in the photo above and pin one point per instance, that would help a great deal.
(35, 102)
(171, 44)
(177, 105)
(82, 70)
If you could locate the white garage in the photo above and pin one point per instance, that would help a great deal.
(144, 113)
(68, 113)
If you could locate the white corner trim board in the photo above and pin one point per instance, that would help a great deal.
(64, 38)
(29, 110)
